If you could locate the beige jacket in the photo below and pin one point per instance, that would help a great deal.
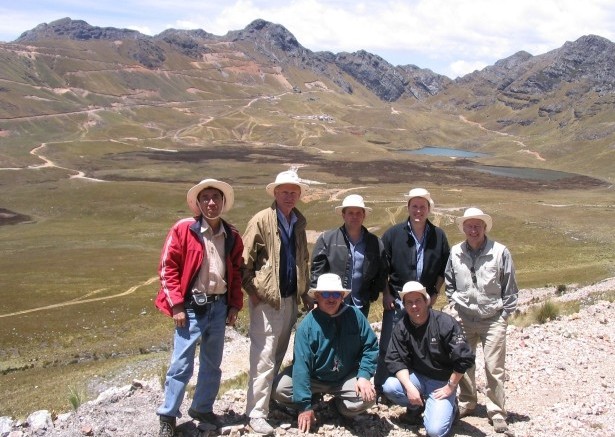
(261, 255)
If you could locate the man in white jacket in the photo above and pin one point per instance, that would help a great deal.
(482, 290)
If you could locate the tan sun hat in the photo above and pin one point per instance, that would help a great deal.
(420, 192)
(350, 201)
(226, 189)
(286, 177)
(414, 287)
(328, 282)
(474, 213)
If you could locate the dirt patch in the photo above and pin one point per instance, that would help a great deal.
(458, 173)
(8, 217)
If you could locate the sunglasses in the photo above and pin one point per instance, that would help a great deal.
(333, 294)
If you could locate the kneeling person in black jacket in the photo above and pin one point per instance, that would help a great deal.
(428, 354)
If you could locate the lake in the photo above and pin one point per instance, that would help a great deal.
(510, 172)
(445, 151)
(523, 172)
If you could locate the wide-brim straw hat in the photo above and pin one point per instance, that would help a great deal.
(328, 282)
(353, 201)
(420, 192)
(226, 189)
(287, 177)
(474, 213)
(414, 287)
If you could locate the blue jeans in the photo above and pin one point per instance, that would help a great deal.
(439, 413)
(389, 319)
(209, 326)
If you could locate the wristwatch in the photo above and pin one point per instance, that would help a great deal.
(451, 384)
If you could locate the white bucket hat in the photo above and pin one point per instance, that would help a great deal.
(328, 282)
(286, 177)
(414, 287)
(420, 192)
(193, 193)
(355, 201)
(474, 213)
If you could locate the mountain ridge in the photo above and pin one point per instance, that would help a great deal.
(566, 94)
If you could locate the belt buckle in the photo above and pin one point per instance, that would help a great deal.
(200, 298)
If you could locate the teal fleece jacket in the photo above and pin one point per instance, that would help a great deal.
(330, 349)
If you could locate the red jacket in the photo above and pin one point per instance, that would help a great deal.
(181, 258)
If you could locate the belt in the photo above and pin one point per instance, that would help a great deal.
(204, 299)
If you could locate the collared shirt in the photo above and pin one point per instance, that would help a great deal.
(288, 278)
(288, 227)
(213, 269)
(475, 253)
(420, 248)
(355, 268)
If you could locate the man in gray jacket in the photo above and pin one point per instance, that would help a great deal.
(353, 253)
(482, 290)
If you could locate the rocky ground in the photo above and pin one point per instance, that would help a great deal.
(560, 382)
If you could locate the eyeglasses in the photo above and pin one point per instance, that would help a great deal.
(333, 294)
(206, 199)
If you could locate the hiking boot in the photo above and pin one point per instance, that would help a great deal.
(207, 421)
(260, 426)
(381, 399)
(317, 398)
(465, 411)
(167, 427)
(412, 416)
(499, 425)
(456, 417)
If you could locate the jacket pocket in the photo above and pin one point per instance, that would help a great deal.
(263, 280)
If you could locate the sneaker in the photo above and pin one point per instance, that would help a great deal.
(499, 425)
(412, 416)
(167, 428)
(465, 411)
(207, 421)
(260, 426)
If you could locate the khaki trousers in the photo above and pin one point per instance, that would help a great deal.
(345, 393)
(491, 333)
(269, 333)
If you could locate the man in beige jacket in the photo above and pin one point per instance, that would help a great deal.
(276, 275)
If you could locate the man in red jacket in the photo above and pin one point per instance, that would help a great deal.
(201, 290)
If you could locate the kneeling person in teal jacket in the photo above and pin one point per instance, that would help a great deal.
(335, 353)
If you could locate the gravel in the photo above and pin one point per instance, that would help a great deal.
(560, 381)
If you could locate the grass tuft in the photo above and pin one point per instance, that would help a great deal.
(545, 312)
(75, 397)
(238, 382)
(162, 375)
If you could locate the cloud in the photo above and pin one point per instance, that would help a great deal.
(449, 37)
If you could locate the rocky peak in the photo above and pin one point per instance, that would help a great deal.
(387, 81)
(261, 31)
(588, 61)
(373, 72)
(192, 43)
(67, 28)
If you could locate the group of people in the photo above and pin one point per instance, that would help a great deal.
(424, 359)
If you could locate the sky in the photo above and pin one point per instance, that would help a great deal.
(450, 37)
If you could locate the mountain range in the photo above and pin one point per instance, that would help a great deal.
(560, 105)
